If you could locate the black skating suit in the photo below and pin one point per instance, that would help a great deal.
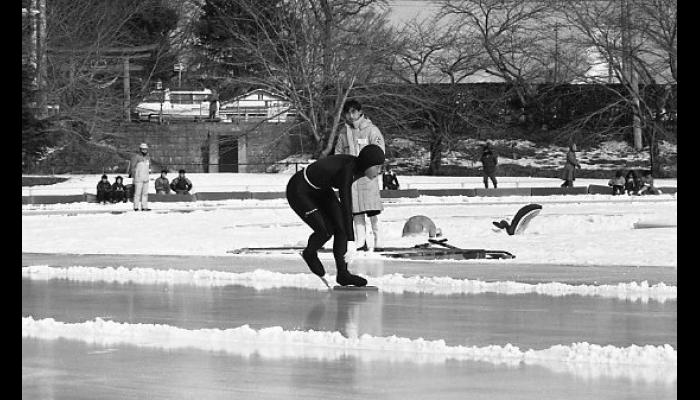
(310, 194)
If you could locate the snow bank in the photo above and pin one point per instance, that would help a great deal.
(391, 283)
(654, 363)
(277, 182)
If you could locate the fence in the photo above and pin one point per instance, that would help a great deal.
(192, 167)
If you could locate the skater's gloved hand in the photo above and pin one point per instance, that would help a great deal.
(351, 252)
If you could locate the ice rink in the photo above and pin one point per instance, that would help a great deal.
(118, 304)
(87, 366)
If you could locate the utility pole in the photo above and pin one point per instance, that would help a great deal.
(556, 52)
(127, 91)
(630, 78)
(41, 64)
(32, 45)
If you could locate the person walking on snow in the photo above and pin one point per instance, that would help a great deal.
(360, 132)
(572, 163)
(310, 194)
(489, 162)
(390, 181)
(139, 168)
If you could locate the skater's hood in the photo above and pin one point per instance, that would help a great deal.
(369, 156)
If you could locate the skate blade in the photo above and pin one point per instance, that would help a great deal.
(356, 288)
(325, 282)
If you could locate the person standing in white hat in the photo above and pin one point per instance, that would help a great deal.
(139, 168)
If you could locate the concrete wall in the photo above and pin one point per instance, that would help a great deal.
(194, 145)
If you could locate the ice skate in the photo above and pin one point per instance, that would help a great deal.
(345, 278)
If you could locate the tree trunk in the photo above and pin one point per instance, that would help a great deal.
(33, 56)
(435, 156)
(636, 120)
(654, 153)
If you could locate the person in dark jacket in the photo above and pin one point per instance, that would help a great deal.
(489, 161)
(213, 105)
(118, 190)
(569, 168)
(389, 180)
(181, 185)
(647, 184)
(162, 183)
(631, 183)
(104, 188)
(310, 194)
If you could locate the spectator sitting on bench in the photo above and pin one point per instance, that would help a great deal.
(181, 185)
(118, 190)
(617, 183)
(647, 184)
(162, 183)
(103, 190)
(631, 183)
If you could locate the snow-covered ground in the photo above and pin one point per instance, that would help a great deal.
(578, 230)
(610, 155)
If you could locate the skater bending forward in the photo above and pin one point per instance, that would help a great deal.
(310, 194)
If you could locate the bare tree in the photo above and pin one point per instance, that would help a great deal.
(312, 53)
(637, 41)
(512, 35)
(430, 66)
(86, 44)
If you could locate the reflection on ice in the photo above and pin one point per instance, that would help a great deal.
(642, 363)
(349, 306)
(392, 283)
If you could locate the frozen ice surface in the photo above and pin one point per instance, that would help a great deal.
(77, 370)
(419, 342)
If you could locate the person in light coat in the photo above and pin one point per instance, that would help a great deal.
(139, 168)
(360, 132)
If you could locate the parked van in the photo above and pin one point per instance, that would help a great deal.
(176, 104)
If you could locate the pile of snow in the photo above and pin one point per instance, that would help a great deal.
(656, 363)
(391, 283)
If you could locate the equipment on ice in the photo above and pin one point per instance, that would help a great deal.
(367, 288)
(425, 251)
(521, 220)
(420, 224)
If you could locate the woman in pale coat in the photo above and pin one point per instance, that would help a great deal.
(359, 132)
